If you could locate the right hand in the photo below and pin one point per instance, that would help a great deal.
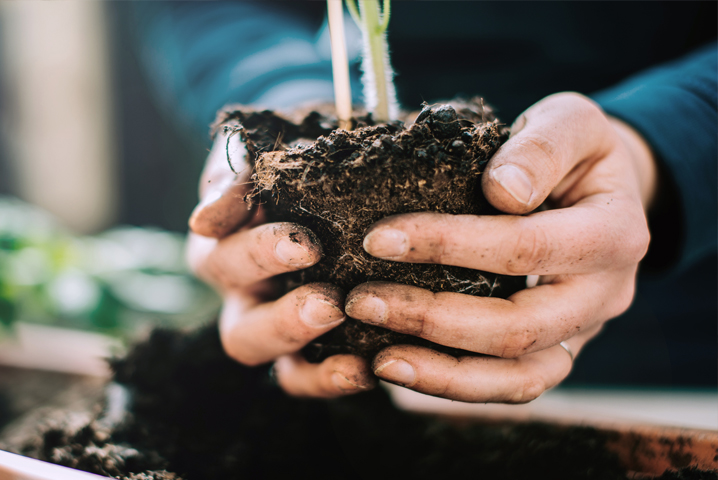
(232, 248)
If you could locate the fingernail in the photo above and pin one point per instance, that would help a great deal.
(515, 181)
(397, 371)
(343, 383)
(386, 243)
(317, 312)
(292, 253)
(368, 309)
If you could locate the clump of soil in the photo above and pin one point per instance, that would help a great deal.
(180, 409)
(342, 182)
(194, 414)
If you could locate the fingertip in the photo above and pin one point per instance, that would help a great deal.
(418, 368)
(387, 243)
(367, 308)
(354, 376)
(218, 214)
(336, 376)
(322, 306)
(509, 188)
(396, 370)
(296, 246)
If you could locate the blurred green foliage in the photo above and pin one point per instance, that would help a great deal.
(118, 282)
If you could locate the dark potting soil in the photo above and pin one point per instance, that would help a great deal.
(338, 183)
(194, 414)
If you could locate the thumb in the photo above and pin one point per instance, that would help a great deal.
(547, 141)
(222, 209)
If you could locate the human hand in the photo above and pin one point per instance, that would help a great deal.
(232, 248)
(599, 177)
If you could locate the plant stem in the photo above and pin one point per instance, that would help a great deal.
(379, 91)
(340, 64)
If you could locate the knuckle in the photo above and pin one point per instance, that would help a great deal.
(529, 251)
(439, 247)
(583, 110)
(579, 102)
(547, 148)
(425, 322)
(418, 324)
(517, 341)
(589, 112)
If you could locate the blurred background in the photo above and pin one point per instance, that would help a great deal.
(81, 136)
(96, 185)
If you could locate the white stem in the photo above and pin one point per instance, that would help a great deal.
(340, 64)
(378, 78)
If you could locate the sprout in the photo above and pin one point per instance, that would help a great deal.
(377, 79)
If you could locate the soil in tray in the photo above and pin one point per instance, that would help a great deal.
(194, 414)
(338, 183)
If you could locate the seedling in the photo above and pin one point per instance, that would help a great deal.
(378, 76)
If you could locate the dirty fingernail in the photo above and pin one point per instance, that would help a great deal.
(515, 182)
(386, 243)
(317, 312)
(397, 371)
(368, 309)
(343, 383)
(292, 253)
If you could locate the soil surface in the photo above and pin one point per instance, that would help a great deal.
(338, 183)
(179, 408)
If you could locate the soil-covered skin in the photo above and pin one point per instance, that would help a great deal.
(195, 414)
(342, 182)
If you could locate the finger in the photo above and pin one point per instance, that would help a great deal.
(477, 379)
(336, 376)
(528, 321)
(255, 254)
(222, 208)
(588, 237)
(254, 333)
(562, 133)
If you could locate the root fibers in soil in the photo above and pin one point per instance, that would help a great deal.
(338, 183)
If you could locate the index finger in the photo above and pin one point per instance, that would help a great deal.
(586, 238)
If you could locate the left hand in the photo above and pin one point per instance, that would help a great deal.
(600, 177)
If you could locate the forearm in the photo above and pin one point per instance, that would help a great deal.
(673, 108)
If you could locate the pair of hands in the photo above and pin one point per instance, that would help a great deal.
(596, 173)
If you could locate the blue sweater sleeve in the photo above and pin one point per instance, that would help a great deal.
(674, 107)
(201, 56)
